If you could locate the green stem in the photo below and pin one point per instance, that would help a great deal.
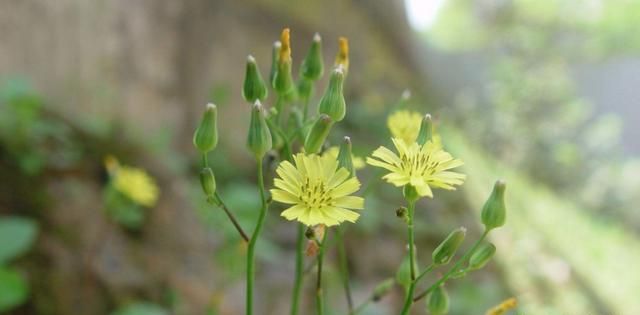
(254, 239)
(344, 267)
(412, 253)
(319, 293)
(453, 269)
(297, 284)
(233, 219)
(362, 306)
(279, 108)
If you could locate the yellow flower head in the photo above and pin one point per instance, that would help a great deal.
(422, 167)
(133, 182)
(503, 307)
(332, 153)
(405, 125)
(318, 190)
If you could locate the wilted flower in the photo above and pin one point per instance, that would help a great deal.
(318, 190)
(421, 166)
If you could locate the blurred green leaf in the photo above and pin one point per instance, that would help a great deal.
(141, 308)
(16, 236)
(13, 289)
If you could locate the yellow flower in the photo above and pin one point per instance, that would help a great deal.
(422, 167)
(332, 153)
(503, 307)
(405, 125)
(318, 190)
(133, 182)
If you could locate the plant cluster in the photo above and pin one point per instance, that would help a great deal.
(319, 186)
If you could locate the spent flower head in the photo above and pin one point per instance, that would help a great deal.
(421, 166)
(319, 191)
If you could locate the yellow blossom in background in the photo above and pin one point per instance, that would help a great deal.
(332, 152)
(132, 182)
(423, 166)
(503, 307)
(404, 125)
(318, 190)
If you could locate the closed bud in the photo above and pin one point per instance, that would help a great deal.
(447, 249)
(426, 130)
(206, 136)
(345, 157)
(342, 58)
(282, 80)
(208, 182)
(312, 66)
(332, 102)
(318, 134)
(275, 56)
(438, 301)
(482, 256)
(259, 139)
(494, 211)
(254, 87)
(382, 289)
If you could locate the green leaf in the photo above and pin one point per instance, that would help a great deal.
(13, 289)
(141, 308)
(16, 237)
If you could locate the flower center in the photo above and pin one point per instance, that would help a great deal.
(315, 194)
(419, 164)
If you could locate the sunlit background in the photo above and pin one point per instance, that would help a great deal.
(541, 93)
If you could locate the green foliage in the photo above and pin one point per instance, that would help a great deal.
(141, 308)
(14, 289)
(16, 237)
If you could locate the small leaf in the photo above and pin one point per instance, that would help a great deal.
(16, 237)
(13, 289)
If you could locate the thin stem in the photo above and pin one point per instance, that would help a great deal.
(319, 293)
(218, 201)
(453, 269)
(344, 267)
(297, 283)
(254, 239)
(412, 253)
(362, 306)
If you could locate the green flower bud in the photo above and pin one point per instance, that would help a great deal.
(438, 301)
(305, 89)
(426, 130)
(254, 87)
(345, 157)
(332, 102)
(259, 139)
(382, 289)
(318, 134)
(312, 66)
(206, 136)
(275, 56)
(494, 212)
(447, 249)
(481, 256)
(208, 182)
(282, 80)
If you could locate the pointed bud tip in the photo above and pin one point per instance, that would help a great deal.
(277, 44)
(257, 105)
(406, 95)
(250, 59)
(347, 139)
(210, 106)
(317, 38)
(462, 229)
(501, 184)
(325, 118)
(427, 117)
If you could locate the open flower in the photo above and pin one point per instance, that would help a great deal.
(318, 190)
(422, 167)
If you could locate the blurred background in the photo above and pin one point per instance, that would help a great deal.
(542, 93)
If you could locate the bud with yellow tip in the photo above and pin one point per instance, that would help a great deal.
(332, 102)
(259, 138)
(282, 80)
(342, 58)
(318, 134)
(206, 136)
(254, 87)
(494, 212)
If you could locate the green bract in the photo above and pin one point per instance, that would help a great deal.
(445, 251)
(332, 102)
(259, 138)
(494, 211)
(318, 134)
(206, 136)
(254, 87)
